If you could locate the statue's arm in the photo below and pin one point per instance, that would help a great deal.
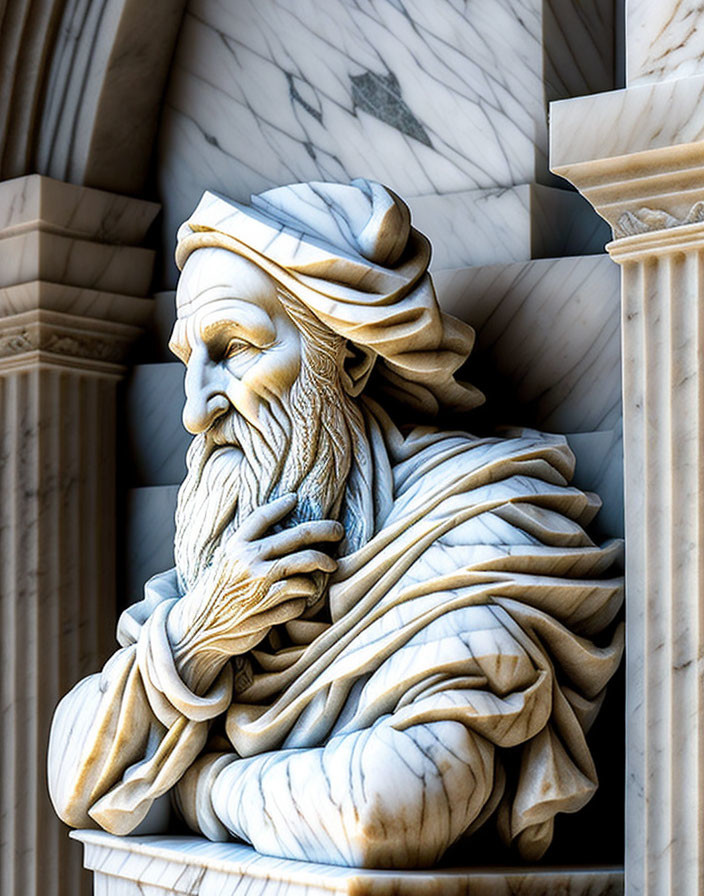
(379, 797)
(122, 738)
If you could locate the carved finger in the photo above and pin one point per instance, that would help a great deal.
(283, 612)
(303, 561)
(262, 518)
(299, 536)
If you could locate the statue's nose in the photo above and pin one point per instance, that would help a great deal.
(205, 398)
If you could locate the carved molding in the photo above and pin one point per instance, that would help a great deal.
(647, 220)
(66, 335)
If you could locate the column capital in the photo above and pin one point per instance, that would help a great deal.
(637, 155)
(73, 275)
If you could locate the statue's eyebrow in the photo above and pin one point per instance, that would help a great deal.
(221, 332)
(241, 319)
(178, 343)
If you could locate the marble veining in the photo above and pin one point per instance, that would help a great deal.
(190, 866)
(419, 96)
(665, 40)
(404, 632)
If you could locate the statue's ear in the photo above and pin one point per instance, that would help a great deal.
(357, 365)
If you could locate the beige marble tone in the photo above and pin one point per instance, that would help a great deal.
(659, 129)
(188, 866)
(378, 617)
(62, 352)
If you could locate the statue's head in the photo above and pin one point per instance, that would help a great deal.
(288, 311)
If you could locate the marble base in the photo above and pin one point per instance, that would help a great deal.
(192, 866)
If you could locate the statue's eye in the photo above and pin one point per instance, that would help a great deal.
(236, 347)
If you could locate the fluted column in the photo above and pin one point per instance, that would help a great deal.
(66, 326)
(638, 156)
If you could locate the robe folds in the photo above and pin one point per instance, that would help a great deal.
(463, 656)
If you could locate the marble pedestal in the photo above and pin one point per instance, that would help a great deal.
(191, 866)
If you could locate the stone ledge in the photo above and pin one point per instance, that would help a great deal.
(192, 866)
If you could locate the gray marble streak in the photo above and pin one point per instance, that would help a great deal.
(426, 98)
(149, 541)
(191, 866)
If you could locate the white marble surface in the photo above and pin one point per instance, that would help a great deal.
(32, 295)
(36, 202)
(191, 866)
(621, 122)
(426, 98)
(664, 40)
(37, 255)
(480, 227)
(639, 160)
(550, 329)
(100, 79)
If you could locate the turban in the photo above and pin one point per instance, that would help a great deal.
(348, 252)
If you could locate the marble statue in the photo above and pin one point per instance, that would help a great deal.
(378, 636)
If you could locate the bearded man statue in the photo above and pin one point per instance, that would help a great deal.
(376, 638)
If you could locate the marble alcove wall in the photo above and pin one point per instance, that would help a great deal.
(446, 103)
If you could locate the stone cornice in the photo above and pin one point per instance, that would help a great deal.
(65, 335)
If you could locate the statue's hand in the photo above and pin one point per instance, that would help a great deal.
(254, 581)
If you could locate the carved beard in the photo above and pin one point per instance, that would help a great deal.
(305, 444)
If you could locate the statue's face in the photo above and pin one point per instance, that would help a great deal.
(240, 347)
(264, 403)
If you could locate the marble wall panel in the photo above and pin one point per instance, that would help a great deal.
(664, 40)
(480, 227)
(548, 339)
(425, 97)
(149, 536)
(158, 440)
(600, 469)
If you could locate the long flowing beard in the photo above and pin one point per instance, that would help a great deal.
(304, 445)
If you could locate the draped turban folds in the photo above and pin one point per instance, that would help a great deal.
(350, 254)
